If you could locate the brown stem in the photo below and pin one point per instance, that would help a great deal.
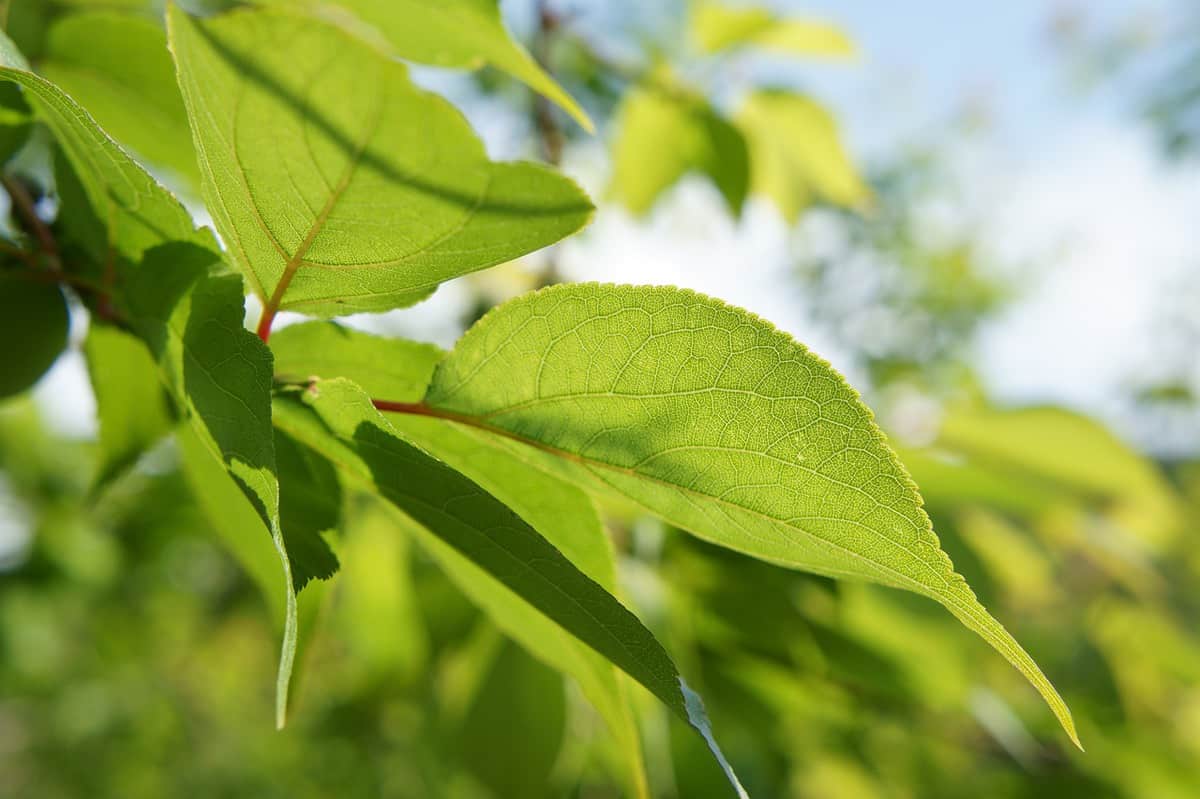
(27, 210)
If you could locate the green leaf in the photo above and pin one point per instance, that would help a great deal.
(664, 134)
(137, 213)
(133, 411)
(456, 514)
(221, 376)
(796, 154)
(338, 185)
(117, 66)
(717, 27)
(564, 515)
(459, 34)
(712, 419)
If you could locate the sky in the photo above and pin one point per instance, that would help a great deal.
(1069, 182)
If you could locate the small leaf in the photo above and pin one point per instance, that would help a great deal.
(133, 411)
(458, 515)
(717, 422)
(796, 154)
(718, 27)
(117, 66)
(460, 34)
(34, 326)
(338, 185)
(665, 134)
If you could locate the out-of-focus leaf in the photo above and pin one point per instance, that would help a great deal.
(399, 371)
(34, 326)
(133, 410)
(458, 515)
(338, 185)
(136, 212)
(118, 68)
(456, 34)
(717, 422)
(796, 154)
(1032, 458)
(718, 27)
(1011, 557)
(663, 135)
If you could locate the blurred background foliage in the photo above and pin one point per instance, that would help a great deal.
(137, 649)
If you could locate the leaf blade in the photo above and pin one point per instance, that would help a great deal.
(717, 422)
(345, 205)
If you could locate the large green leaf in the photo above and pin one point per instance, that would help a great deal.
(130, 403)
(714, 420)
(458, 515)
(719, 27)
(664, 134)
(136, 212)
(117, 66)
(337, 184)
(796, 154)
(457, 34)
(220, 375)
(563, 514)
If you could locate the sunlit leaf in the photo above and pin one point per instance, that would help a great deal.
(714, 420)
(663, 135)
(719, 27)
(337, 184)
(117, 66)
(456, 514)
(456, 34)
(796, 154)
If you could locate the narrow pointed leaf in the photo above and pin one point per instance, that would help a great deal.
(221, 376)
(712, 419)
(562, 513)
(459, 515)
(337, 184)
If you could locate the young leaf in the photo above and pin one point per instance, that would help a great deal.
(338, 185)
(718, 27)
(132, 408)
(563, 514)
(117, 66)
(665, 135)
(220, 376)
(712, 419)
(459, 34)
(137, 213)
(342, 425)
(796, 155)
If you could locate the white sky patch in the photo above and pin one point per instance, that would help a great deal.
(1111, 231)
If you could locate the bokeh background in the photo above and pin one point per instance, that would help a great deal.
(987, 221)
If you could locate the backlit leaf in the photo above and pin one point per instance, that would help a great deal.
(796, 154)
(664, 135)
(714, 420)
(337, 184)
